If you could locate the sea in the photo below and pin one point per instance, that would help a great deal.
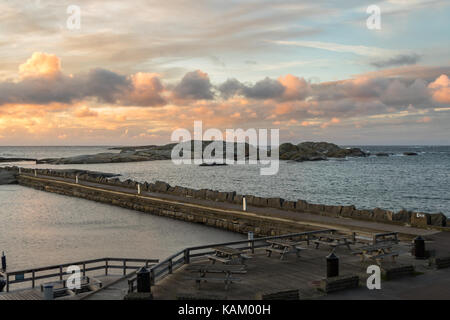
(39, 228)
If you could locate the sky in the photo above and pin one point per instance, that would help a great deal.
(109, 72)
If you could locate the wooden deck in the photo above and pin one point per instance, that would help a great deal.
(36, 294)
(270, 275)
(26, 294)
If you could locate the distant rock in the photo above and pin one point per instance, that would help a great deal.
(410, 153)
(316, 151)
(143, 153)
(15, 159)
(214, 164)
(306, 151)
(382, 154)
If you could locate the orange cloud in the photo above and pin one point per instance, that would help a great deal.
(441, 89)
(41, 65)
(146, 89)
(295, 88)
(329, 123)
(85, 112)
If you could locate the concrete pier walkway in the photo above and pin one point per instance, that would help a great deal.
(268, 214)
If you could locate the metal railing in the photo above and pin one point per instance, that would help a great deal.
(35, 274)
(175, 261)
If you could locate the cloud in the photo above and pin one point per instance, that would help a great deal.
(338, 47)
(42, 82)
(440, 89)
(264, 89)
(41, 65)
(147, 90)
(398, 60)
(295, 88)
(85, 112)
(195, 85)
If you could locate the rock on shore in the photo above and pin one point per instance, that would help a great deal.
(314, 151)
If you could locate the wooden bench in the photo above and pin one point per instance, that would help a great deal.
(226, 280)
(283, 248)
(390, 237)
(379, 257)
(332, 241)
(210, 268)
(214, 258)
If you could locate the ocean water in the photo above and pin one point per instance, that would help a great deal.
(419, 183)
(39, 228)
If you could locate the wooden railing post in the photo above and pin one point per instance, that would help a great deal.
(106, 267)
(84, 269)
(32, 279)
(186, 256)
(152, 277)
(60, 272)
(7, 282)
(170, 266)
(124, 267)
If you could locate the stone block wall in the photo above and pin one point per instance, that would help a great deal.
(403, 217)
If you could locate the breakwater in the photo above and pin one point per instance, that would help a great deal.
(201, 214)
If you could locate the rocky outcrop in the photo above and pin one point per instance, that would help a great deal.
(410, 153)
(305, 151)
(2, 159)
(314, 151)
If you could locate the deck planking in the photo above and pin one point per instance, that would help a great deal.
(270, 274)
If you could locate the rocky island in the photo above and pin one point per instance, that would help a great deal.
(315, 151)
(305, 151)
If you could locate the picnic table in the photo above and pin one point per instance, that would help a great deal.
(333, 241)
(283, 247)
(228, 255)
(227, 270)
(376, 252)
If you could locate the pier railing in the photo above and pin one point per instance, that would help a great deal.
(58, 271)
(175, 261)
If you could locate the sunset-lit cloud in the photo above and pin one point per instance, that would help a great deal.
(111, 104)
(135, 71)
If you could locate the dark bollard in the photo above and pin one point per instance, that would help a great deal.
(3, 261)
(332, 265)
(419, 248)
(143, 280)
(2, 283)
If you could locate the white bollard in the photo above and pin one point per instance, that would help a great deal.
(250, 237)
(139, 188)
(244, 204)
(76, 179)
(35, 172)
(20, 170)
